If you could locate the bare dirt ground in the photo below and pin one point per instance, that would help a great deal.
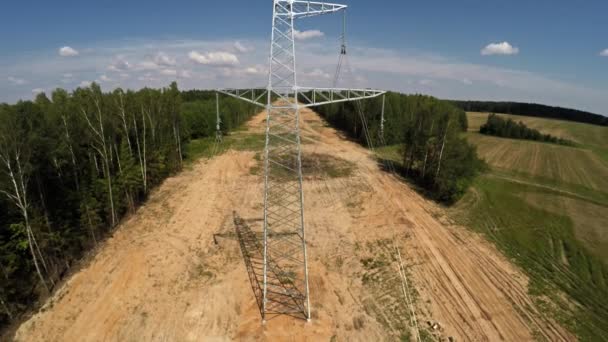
(162, 278)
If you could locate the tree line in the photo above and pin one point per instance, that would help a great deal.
(428, 133)
(532, 109)
(72, 165)
(507, 128)
(199, 112)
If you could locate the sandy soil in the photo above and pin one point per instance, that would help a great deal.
(162, 278)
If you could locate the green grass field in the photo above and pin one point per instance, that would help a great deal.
(591, 137)
(239, 140)
(546, 207)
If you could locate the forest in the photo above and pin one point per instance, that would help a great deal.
(73, 165)
(427, 133)
(507, 128)
(532, 109)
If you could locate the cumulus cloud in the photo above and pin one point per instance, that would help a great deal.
(255, 70)
(119, 65)
(373, 67)
(148, 65)
(148, 78)
(218, 58)
(185, 74)
(304, 35)
(240, 47)
(162, 59)
(317, 73)
(16, 81)
(85, 84)
(168, 72)
(503, 48)
(37, 91)
(105, 78)
(67, 51)
(604, 53)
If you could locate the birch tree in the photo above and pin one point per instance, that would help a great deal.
(141, 148)
(174, 107)
(445, 135)
(96, 121)
(14, 160)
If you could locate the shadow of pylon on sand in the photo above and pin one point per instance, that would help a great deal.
(284, 299)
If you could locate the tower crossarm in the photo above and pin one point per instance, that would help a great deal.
(311, 97)
(256, 96)
(303, 9)
(307, 96)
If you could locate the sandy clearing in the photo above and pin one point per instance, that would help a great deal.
(161, 277)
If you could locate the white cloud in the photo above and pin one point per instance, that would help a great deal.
(163, 59)
(148, 65)
(168, 72)
(372, 67)
(68, 75)
(185, 74)
(426, 82)
(304, 35)
(119, 65)
(159, 61)
(37, 91)
(148, 78)
(604, 53)
(317, 73)
(218, 58)
(85, 84)
(503, 48)
(105, 78)
(255, 70)
(17, 81)
(467, 81)
(67, 51)
(238, 46)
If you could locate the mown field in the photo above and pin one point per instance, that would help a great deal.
(592, 137)
(546, 207)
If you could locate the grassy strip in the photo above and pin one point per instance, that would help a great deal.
(543, 244)
(561, 188)
(207, 147)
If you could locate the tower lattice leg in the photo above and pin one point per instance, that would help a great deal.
(285, 266)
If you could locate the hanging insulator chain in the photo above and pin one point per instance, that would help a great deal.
(343, 52)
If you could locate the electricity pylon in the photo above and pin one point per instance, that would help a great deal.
(285, 288)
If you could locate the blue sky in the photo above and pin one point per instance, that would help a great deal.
(541, 51)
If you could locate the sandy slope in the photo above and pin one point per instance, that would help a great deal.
(162, 278)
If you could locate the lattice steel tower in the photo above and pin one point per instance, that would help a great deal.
(284, 287)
